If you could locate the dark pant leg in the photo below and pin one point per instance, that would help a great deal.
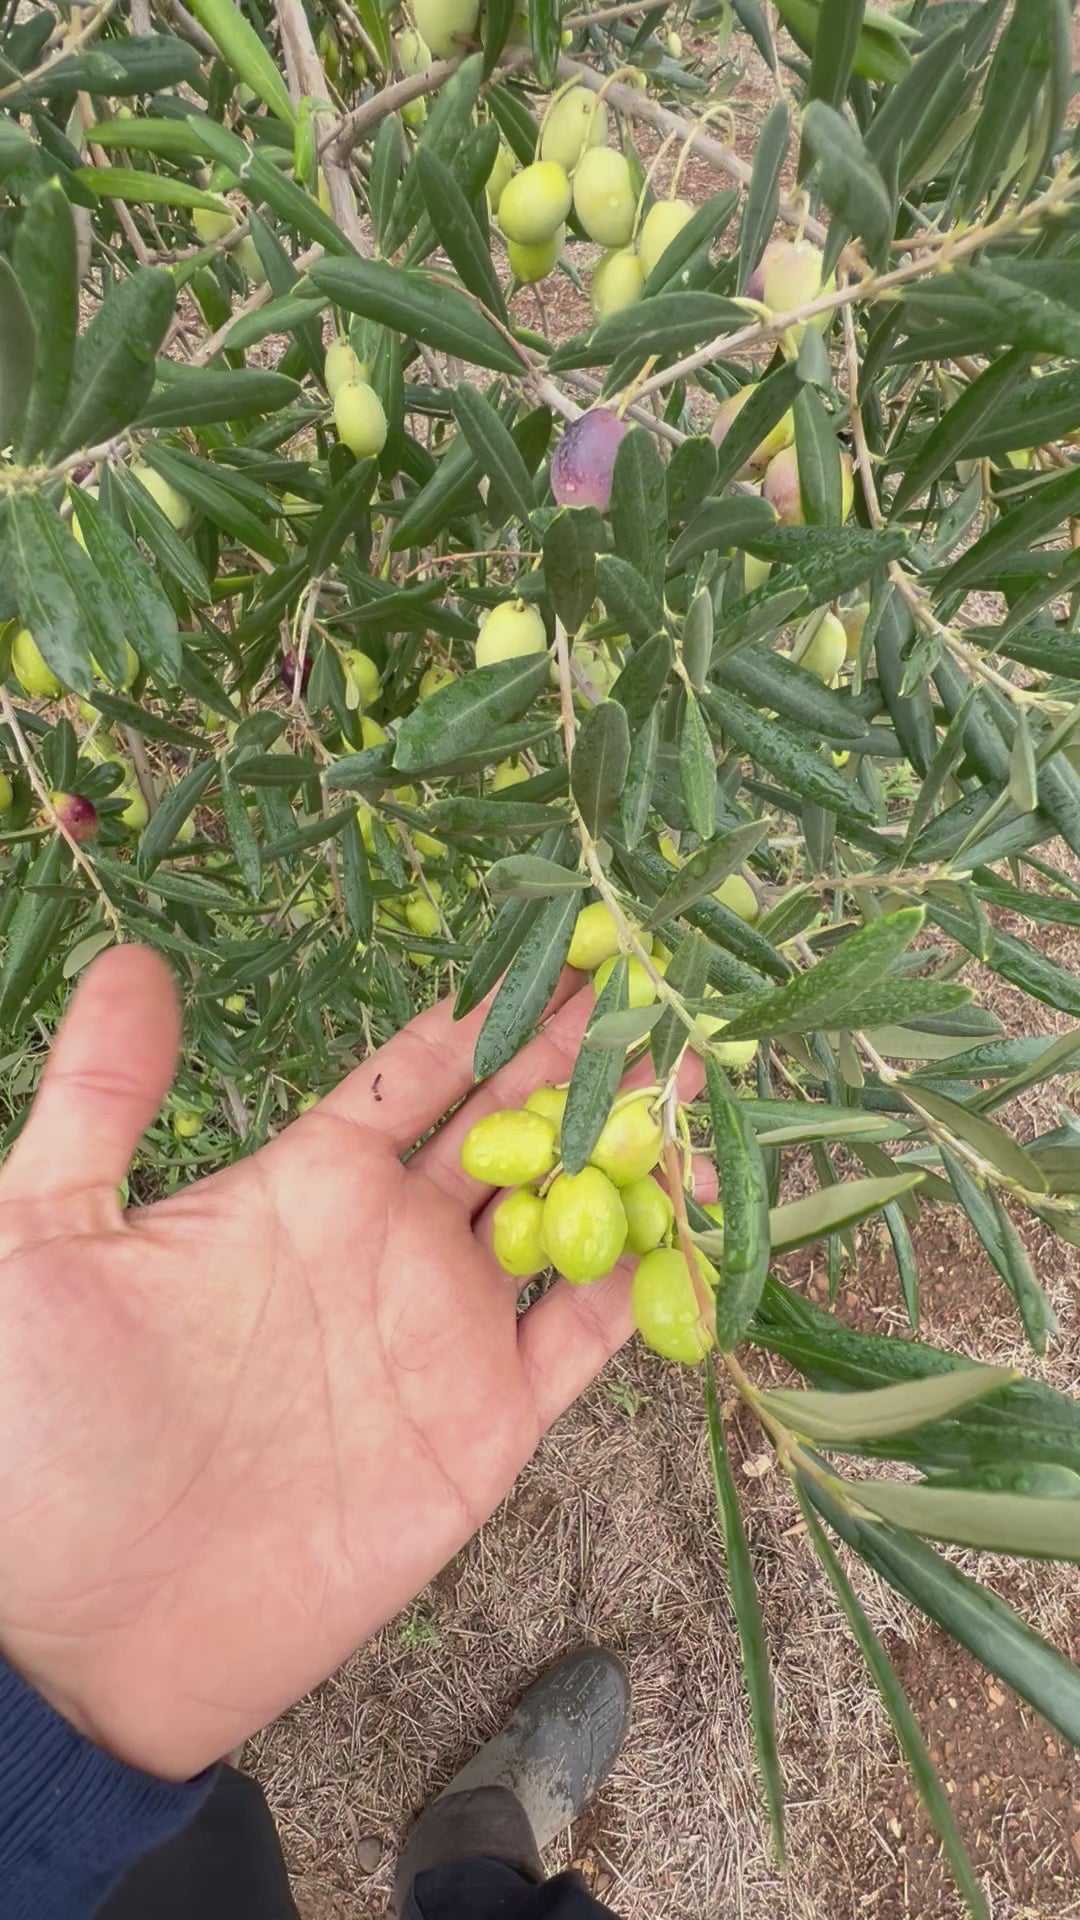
(226, 1865)
(479, 1889)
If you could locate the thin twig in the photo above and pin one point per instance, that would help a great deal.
(259, 297)
(341, 140)
(71, 43)
(136, 746)
(308, 82)
(187, 26)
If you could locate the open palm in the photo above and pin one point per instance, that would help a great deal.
(240, 1428)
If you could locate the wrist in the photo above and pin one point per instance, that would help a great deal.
(72, 1817)
(63, 1693)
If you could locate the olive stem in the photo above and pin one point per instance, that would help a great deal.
(868, 286)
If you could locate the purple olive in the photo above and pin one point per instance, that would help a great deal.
(288, 671)
(77, 815)
(755, 286)
(584, 460)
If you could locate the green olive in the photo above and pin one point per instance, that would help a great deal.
(584, 1225)
(826, 650)
(31, 670)
(360, 419)
(422, 916)
(534, 203)
(510, 631)
(444, 23)
(604, 197)
(362, 672)
(649, 1214)
(433, 678)
(528, 264)
(575, 122)
(508, 773)
(551, 1102)
(509, 1148)
(516, 1223)
(662, 224)
(666, 1309)
(341, 367)
(616, 283)
(640, 989)
(595, 938)
(738, 895)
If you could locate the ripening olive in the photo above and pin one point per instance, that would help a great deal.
(583, 464)
(792, 278)
(629, 1143)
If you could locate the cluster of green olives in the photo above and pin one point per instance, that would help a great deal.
(583, 1224)
(595, 945)
(359, 415)
(576, 168)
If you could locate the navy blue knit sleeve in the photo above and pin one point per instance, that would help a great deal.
(72, 1819)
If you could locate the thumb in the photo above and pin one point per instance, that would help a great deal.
(111, 1065)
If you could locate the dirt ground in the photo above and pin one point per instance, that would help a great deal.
(610, 1536)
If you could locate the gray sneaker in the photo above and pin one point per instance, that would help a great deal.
(534, 1777)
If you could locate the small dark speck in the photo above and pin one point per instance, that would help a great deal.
(375, 1086)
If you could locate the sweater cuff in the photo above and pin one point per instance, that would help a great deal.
(72, 1818)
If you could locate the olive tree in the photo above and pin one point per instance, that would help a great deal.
(363, 643)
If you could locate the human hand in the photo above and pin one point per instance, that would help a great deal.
(241, 1428)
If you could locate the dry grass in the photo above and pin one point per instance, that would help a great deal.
(610, 1536)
